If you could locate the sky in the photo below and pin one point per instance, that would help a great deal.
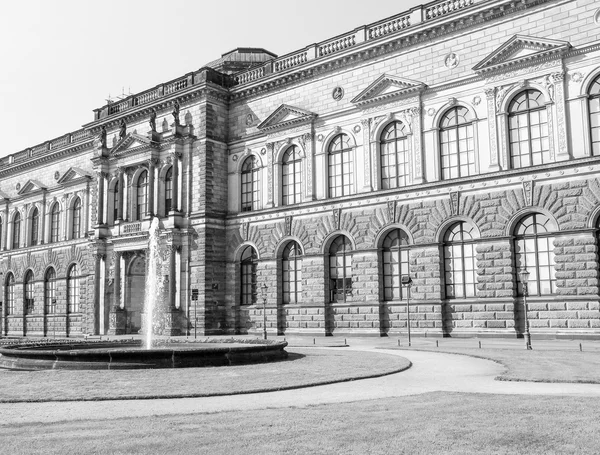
(60, 59)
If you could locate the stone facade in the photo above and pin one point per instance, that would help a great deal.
(180, 152)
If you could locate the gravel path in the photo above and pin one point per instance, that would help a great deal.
(431, 372)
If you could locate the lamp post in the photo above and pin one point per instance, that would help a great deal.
(406, 281)
(524, 273)
(263, 290)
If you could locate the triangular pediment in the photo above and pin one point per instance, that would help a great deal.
(73, 174)
(132, 141)
(31, 186)
(522, 50)
(386, 87)
(286, 116)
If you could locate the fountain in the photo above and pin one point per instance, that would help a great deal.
(146, 353)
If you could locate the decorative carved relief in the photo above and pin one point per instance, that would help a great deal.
(245, 229)
(288, 225)
(392, 207)
(337, 214)
(454, 203)
(528, 192)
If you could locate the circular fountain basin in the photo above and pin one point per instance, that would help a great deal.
(130, 354)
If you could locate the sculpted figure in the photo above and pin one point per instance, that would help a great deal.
(103, 136)
(123, 130)
(153, 121)
(176, 113)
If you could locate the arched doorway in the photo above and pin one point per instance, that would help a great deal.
(134, 293)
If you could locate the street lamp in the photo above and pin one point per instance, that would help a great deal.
(406, 281)
(524, 273)
(263, 290)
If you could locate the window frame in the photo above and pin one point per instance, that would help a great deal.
(458, 276)
(384, 144)
(346, 289)
(291, 273)
(248, 269)
(50, 291)
(55, 223)
(28, 293)
(35, 227)
(16, 231)
(73, 289)
(250, 184)
(594, 97)
(295, 164)
(141, 206)
(402, 255)
(76, 218)
(468, 125)
(9, 294)
(337, 160)
(168, 199)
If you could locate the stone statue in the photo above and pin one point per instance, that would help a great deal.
(103, 136)
(176, 113)
(153, 121)
(123, 129)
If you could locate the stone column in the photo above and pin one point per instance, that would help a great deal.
(490, 95)
(171, 313)
(175, 198)
(42, 221)
(417, 128)
(100, 176)
(558, 81)
(307, 140)
(121, 188)
(117, 319)
(368, 150)
(100, 292)
(270, 176)
(150, 203)
(127, 202)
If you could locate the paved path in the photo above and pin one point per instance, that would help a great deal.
(431, 372)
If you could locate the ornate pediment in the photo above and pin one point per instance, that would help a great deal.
(285, 117)
(387, 87)
(522, 50)
(31, 187)
(74, 174)
(132, 141)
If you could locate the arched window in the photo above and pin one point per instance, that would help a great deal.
(116, 201)
(73, 289)
(528, 130)
(340, 269)
(394, 156)
(248, 266)
(533, 246)
(457, 145)
(76, 228)
(168, 190)
(341, 175)
(16, 234)
(395, 264)
(459, 262)
(594, 105)
(54, 222)
(291, 264)
(9, 294)
(250, 185)
(1, 232)
(291, 176)
(35, 227)
(142, 196)
(50, 291)
(28, 294)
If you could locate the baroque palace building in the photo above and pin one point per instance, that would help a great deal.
(455, 143)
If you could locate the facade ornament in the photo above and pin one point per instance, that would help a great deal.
(288, 226)
(56, 175)
(431, 112)
(175, 113)
(165, 125)
(454, 203)
(490, 93)
(452, 101)
(320, 138)
(234, 158)
(337, 129)
(122, 129)
(18, 187)
(477, 100)
(337, 214)
(102, 136)
(451, 60)
(391, 207)
(245, 229)
(549, 84)
(528, 192)
(500, 96)
(337, 93)
(357, 129)
(577, 76)
(249, 119)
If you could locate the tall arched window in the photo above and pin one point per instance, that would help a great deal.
(54, 223)
(394, 156)
(457, 144)
(341, 167)
(534, 250)
(291, 264)
(168, 190)
(1, 232)
(340, 269)
(28, 294)
(291, 176)
(459, 262)
(35, 227)
(528, 130)
(50, 291)
(116, 202)
(248, 269)
(76, 227)
(9, 294)
(142, 196)
(16, 233)
(250, 185)
(73, 289)
(395, 256)
(594, 106)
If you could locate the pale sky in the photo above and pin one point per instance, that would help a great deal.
(62, 58)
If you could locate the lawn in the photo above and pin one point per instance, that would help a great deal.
(447, 423)
(305, 367)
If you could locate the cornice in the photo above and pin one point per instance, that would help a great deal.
(42, 159)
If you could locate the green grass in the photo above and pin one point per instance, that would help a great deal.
(306, 367)
(441, 423)
(538, 365)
